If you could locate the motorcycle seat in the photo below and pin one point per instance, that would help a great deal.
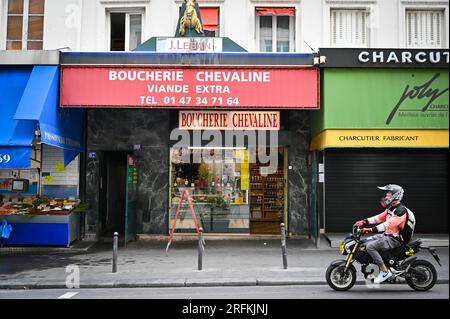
(414, 243)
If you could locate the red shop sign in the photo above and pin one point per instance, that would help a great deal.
(149, 87)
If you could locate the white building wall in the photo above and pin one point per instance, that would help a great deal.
(311, 27)
(82, 25)
(386, 20)
(61, 24)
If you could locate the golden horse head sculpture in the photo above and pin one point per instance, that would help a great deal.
(190, 19)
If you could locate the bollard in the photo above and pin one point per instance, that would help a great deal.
(200, 248)
(283, 245)
(115, 245)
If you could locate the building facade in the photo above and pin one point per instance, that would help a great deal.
(256, 25)
(383, 120)
(230, 194)
(137, 141)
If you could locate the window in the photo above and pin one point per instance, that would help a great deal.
(218, 189)
(210, 19)
(25, 25)
(231, 192)
(349, 28)
(126, 31)
(424, 28)
(275, 29)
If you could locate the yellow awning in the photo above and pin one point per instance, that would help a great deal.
(380, 138)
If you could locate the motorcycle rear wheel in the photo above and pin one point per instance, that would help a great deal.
(428, 270)
(340, 280)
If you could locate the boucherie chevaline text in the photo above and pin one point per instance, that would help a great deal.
(178, 76)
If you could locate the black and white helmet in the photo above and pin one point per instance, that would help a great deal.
(396, 191)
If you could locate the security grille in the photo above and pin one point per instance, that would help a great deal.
(352, 177)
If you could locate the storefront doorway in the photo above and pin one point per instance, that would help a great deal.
(118, 183)
(267, 196)
(118, 195)
(112, 193)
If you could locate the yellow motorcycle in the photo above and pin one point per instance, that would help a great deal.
(419, 274)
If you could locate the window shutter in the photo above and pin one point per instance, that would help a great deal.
(437, 16)
(275, 11)
(348, 28)
(210, 18)
(424, 28)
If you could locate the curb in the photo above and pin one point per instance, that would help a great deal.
(43, 250)
(179, 285)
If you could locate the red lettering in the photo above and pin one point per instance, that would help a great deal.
(183, 120)
(216, 120)
(224, 120)
(275, 120)
(246, 124)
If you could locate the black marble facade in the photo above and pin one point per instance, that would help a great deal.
(120, 130)
(299, 177)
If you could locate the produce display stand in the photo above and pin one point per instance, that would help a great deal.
(52, 228)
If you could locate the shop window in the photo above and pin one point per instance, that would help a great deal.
(25, 25)
(349, 28)
(218, 189)
(125, 31)
(275, 29)
(424, 28)
(27, 184)
(47, 175)
(210, 19)
(234, 193)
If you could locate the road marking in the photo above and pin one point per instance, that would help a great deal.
(68, 295)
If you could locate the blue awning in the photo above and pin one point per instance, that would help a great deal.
(30, 100)
(15, 157)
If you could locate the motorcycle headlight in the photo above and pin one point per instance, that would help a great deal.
(348, 246)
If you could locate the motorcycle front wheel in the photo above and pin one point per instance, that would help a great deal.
(422, 275)
(339, 279)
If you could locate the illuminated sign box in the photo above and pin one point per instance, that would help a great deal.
(152, 87)
(228, 120)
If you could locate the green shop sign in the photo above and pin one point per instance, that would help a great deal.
(384, 99)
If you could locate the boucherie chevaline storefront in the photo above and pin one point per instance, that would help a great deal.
(175, 138)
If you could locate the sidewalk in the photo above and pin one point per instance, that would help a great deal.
(146, 264)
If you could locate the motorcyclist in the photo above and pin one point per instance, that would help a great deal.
(390, 222)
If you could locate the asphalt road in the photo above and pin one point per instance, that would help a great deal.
(399, 291)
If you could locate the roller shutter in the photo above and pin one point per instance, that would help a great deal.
(351, 177)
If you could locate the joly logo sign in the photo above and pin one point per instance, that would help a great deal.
(426, 93)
